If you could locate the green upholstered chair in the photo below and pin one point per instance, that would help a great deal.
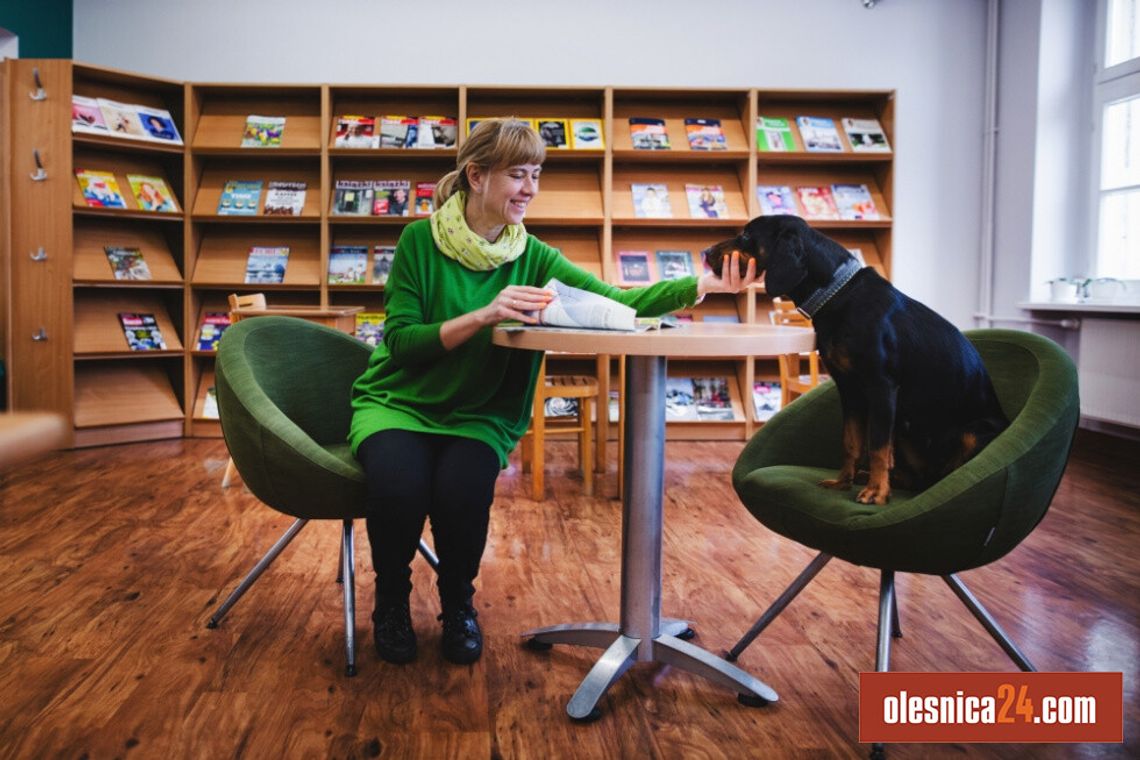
(284, 388)
(970, 518)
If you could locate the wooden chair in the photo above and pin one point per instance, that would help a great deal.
(799, 373)
(585, 390)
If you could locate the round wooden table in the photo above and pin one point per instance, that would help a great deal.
(642, 635)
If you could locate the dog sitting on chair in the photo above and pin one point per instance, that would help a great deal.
(917, 400)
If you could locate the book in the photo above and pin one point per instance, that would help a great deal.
(263, 131)
(266, 264)
(127, 263)
(766, 398)
(727, 319)
(673, 265)
(679, 403)
(87, 117)
(425, 199)
(284, 198)
(819, 134)
(472, 123)
(634, 268)
(586, 134)
(239, 198)
(866, 135)
(711, 396)
(705, 134)
(398, 131)
(382, 257)
(348, 265)
(817, 202)
(142, 332)
(555, 133)
(390, 197)
(214, 323)
(352, 197)
(651, 201)
(706, 201)
(122, 119)
(854, 202)
(355, 132)
(210, 404)
(370, 327)
(158, 125)
(100, 189)
(436, 132)
(152, 193)
(776, 199)
(576, 308)
(648, 134)
(774, 134)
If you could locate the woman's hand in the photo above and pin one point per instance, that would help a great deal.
(730, 280)
(519, 302)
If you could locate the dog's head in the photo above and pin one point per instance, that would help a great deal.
(780, 244)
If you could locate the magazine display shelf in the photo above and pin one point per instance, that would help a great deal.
(64, 353)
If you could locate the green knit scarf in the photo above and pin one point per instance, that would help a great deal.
(458, 241)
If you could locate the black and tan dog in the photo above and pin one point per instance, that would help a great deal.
(916, 397)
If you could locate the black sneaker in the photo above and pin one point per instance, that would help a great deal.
(392, 632)
(462, 641)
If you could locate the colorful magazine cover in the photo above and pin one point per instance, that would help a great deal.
(370, 327)
(587, 134)
(679, 403)
(555, 133)
(437, 132)
(774, 135)
(866, 135)
(398, 131)
(854, 202)
(706, 201)
(266, 264)
(159, 125)
(382, 257)
(819, 134)
(100, 189)
(634, 268)
(263, 131)
(142, 332)
(240, 198)
(284, 198)
(651, 201)
(214, 323)
(766, 398)
(348, 265)
(472, 123)
(817, 202)
(776, 199)
(712, 398)
(355, 132)
(705, 134)
(127, 263)
(425, 198)
(121, 118)
(152, 194)
(390, 197)
(210, 404)
(648, 134)
(352, 197)
(86, 116)
(673, 265)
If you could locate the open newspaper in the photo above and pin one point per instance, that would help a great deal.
(576, 308)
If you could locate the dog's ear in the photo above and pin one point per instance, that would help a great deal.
(786, 267)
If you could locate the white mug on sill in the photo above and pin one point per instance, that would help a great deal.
(1105, 289)
(1065, 289)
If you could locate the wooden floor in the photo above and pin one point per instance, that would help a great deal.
(111, 560)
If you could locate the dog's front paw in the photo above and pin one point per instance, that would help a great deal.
(874, 495)
(838, 484)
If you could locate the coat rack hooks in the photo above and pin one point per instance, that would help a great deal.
(39, 175)
(40, 93)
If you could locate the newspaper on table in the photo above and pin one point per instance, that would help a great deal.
(580, 309)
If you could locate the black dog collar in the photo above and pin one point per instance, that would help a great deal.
(842, 276)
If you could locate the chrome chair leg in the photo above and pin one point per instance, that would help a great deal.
(256, 572)
(886, 606)
(429, 555)
(896, 626)
(790, 593)
(988, 622)
(348, 571)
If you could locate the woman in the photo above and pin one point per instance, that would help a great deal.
(440, 408)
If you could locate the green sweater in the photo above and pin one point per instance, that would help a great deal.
(477, 389)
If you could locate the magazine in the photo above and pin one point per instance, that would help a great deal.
(819, 134)
(577, 308)
(774, 134)
(634, 268)
(348, 265)
(712, 398)
(152, 193)
(776, 199)
(142, 332)
(398, 131)
(705, 134)
(86, 116)
(558, 406)
(239, 198)
(214, 323)
(390, 197)
(425, 199)
(100, 189)
(725, 319)
(706, 201)
(587, 134)
(122, 119)
(866, 135)
(382, 257)
(766, 397)
(158, 125)
(679, 403)
(263, 131)
(355, 132)
(817, 202)
(854, 202)
(284, 198)
(352, 197)
(673, 265)
(210, 405)
(555, 133)
(648, 134)
(651, 201)
(472, 123)
(127, 263)
(266, 264)
(437, 132)
(370, 327)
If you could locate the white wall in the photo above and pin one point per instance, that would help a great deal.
(930, 51)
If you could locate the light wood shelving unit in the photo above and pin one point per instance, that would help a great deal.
(65, 350)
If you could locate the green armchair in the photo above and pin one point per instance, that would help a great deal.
(283, 388)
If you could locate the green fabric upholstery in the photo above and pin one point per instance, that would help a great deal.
(284, 388)
(970, 518)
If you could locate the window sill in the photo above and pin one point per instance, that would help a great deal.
(1085, 307)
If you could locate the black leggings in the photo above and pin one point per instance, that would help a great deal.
(412, 476)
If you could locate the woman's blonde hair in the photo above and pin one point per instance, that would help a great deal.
(494, 143)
